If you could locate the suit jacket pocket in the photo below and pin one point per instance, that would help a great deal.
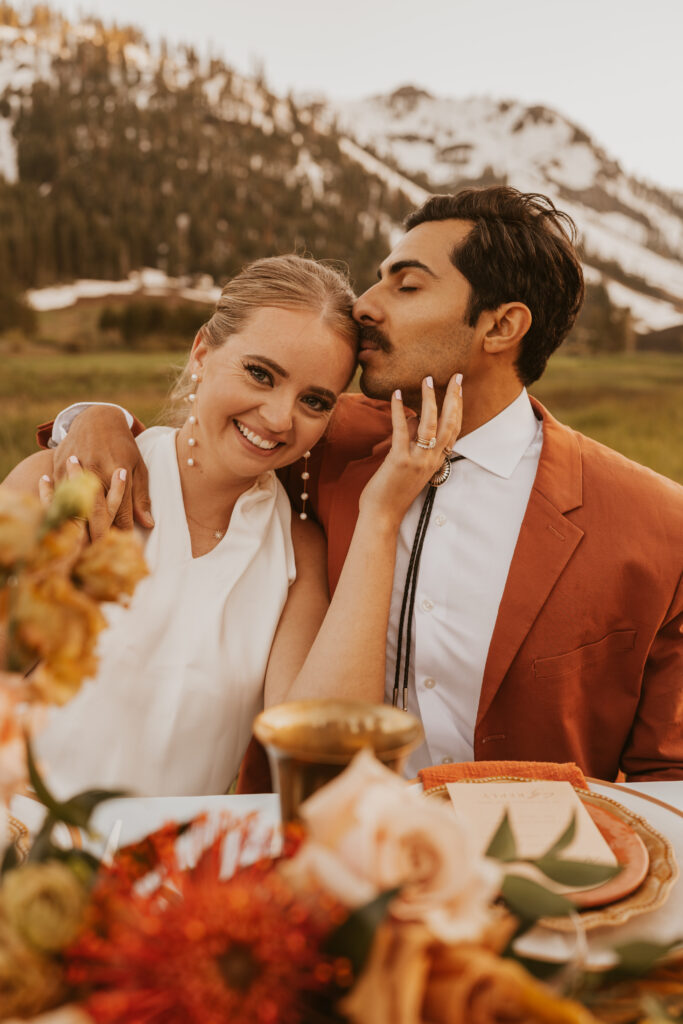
(590, 654)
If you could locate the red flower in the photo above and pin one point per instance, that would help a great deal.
(200, 949)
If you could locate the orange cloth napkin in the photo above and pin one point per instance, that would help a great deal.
(439, 774)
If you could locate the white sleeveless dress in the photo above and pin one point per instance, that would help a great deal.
(181, 670)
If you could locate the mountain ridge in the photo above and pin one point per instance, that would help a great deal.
(226, 170)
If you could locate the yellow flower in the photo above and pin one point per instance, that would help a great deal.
(29, 982)
(20, 517)
(111, 567)
(471, 985)
(44, 903)
(73, 499)
(57, 624)
(411, 979)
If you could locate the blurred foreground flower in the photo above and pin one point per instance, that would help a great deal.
(44, 903)
(29, 982)
(242, 949)
(411, 979)
(111, 567)
(368, 832)
(56, 625)
(51, 581)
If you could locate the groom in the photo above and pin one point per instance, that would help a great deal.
(548, 606)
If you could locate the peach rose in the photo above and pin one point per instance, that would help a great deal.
(368, 831)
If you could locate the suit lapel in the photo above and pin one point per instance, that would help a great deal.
(546, 542)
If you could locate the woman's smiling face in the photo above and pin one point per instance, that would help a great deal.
(265, 396)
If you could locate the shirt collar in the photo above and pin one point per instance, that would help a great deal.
(499, 444)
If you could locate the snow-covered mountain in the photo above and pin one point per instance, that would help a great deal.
(275, 172)
(632, 232)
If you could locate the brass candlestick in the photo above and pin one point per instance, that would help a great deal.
(310, 741)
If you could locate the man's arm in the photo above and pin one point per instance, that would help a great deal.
(102, 441)
(654, 751)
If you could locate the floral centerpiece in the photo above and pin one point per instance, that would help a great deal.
(377, 910)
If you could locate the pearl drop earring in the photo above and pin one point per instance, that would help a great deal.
(192, 419)
(304, 494)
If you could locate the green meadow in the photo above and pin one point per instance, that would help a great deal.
(633, 403)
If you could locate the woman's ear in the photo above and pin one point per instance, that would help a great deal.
(510, 322)
(199, 350)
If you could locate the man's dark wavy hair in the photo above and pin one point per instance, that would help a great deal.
(521, 249)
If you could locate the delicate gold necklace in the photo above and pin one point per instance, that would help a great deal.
(218, 534)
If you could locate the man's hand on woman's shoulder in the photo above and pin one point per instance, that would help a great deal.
(102, 442)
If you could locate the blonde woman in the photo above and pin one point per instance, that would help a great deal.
(236, 610)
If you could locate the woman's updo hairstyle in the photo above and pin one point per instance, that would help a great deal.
(283, 282)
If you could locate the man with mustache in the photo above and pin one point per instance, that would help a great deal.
(537, 606)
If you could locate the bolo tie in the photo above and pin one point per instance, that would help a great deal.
(405, 622)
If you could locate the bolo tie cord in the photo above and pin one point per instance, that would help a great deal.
(409, 590)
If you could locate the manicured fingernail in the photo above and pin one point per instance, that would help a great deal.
(74, 460)
(46, 478)
(397, 394)
(429, 382)
(123, 474)
(458, 378)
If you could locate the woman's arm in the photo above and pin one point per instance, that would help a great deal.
(347, 651)
(26, 475)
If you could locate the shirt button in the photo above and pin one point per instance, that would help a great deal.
(430, 684)
(440, 519)
(446, 760)
(427, 605)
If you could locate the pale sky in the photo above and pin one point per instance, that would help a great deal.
(612, 66)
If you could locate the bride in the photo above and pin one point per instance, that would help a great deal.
(235, 612)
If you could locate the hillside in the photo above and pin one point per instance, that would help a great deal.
(130, 165)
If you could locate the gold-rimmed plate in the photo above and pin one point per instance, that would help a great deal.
(651, 893)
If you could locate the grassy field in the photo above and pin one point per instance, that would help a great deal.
(632, 403)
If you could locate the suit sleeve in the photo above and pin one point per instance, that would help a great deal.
(44, 431)
(654, 750)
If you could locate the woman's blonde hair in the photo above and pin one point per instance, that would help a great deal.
(283, 282)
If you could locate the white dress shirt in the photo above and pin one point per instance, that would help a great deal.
(466, 557)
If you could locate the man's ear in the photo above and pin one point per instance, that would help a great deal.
(198, 350)
(508, 325)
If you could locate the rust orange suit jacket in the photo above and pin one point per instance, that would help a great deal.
(586, 658)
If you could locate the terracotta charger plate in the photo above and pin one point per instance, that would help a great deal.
(631, 853)
(649, 868)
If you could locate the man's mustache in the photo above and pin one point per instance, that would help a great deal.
(374, 336)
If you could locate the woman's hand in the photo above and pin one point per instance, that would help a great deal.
(109, 503)
(409, 466)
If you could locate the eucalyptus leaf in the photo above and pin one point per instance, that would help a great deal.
(529, 900)
(353, 939)
(639, 957)
(79, 808)
(576, 872)
(42, 847)
(42, 792)
(565, 839)
(503, 846)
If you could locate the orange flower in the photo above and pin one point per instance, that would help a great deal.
(111, 567)
(55, 623)
(411, 979)
(242, 949)
(20, 518)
